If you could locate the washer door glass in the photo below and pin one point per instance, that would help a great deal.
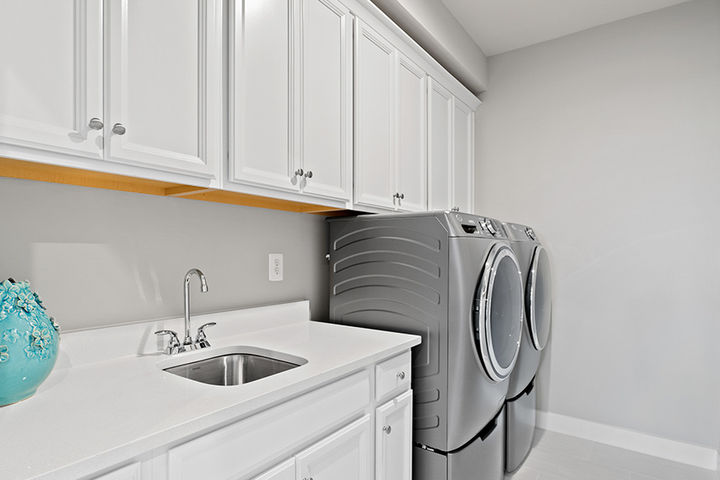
(498, 312)
(538, 302)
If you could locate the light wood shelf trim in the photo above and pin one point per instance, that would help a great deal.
(87, 178)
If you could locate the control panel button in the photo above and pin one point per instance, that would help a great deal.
(490, 227)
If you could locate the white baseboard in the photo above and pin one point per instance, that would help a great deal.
(687, 453)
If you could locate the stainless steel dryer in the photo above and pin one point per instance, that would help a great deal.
(521, 397)
(453, 279)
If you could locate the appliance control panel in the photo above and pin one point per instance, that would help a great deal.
(473, 225)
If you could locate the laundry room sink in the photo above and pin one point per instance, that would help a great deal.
(232, 366)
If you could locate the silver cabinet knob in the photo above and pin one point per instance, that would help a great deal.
(299, 172)
(119, 129)
(387, 429)
(95, 124)
(401, 375)
(308, 174)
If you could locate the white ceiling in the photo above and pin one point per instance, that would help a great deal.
(498, 26)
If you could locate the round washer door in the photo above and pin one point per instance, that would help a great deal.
(538, 301)
(498, 312)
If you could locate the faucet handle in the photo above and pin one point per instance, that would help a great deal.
(201, 340)
(174, 345)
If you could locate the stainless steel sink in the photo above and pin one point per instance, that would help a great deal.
(234, 367)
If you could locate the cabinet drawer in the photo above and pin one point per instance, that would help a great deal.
(256, 441)
(392, 376)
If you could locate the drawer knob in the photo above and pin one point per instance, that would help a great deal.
(387, 429)
(401, 375)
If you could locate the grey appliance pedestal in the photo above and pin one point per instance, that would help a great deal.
(519, 427)
(480, 459)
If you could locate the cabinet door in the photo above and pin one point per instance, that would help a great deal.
(343, 455)
(374, 122)
(51, 75)
(463, 157)
(284, 471)
(164, 78)
(411, 123)
(324, 103)
(260, 87)
(393, 439)
(440, 117)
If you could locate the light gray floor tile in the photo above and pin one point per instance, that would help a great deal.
(654, 467)
(562, 457)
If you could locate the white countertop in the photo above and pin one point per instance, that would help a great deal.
(107, 400)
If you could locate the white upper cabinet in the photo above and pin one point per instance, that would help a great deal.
(51, 76)
(164, 80)
(324, 101)
(411, 165)
(291, 90)
(451, 160)
(344, 455)
(374, 118)
(390, 125)
(440, 143)
(463, 157)
(260, 86)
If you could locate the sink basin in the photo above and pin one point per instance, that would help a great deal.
(234, 367)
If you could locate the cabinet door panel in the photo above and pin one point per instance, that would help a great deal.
(463, 171)
(393, 439)
(260, 84)
(345, 454)
(51, 75)
(439, 146)
(411, 173)
(374, 123)
(440, 110)
(325, 99)
(284, 471)
(165, 84)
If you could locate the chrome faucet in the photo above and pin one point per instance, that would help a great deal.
(203, 288)
(201, 341)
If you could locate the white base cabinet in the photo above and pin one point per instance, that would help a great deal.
(284, 471)
(325, 434)
(393, 439)
(346, 454)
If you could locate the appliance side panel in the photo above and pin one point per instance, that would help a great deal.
(392, 274)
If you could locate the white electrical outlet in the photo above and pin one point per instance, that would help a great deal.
(275, 272)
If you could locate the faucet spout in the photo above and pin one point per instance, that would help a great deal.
(188, 341)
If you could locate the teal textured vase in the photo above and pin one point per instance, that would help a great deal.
(28, 342)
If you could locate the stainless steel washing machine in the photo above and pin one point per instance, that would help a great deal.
(453, 279)
(521, 397)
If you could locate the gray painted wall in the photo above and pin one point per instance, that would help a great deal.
(608, 143)
(100, 257)
(433, 27)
